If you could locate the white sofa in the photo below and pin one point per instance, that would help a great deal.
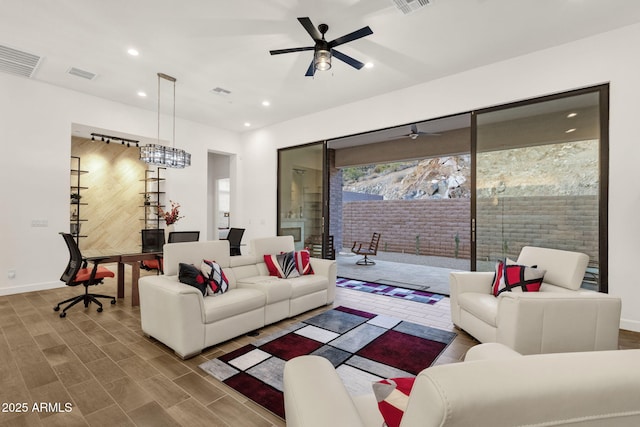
(560, 318)
(495, 386)
(180, 317)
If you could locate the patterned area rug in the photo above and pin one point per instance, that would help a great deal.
(364, 348)
(389, 291)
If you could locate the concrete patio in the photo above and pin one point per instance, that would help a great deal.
(421, 272)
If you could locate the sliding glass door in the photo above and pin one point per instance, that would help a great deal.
(541, 179)
(301, 195)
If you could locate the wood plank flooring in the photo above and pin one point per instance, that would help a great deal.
(101, 370)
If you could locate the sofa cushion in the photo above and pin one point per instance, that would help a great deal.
(216, 279)
(303, 262)
(231, 303)
(275, 289)
(282, 265)
(482, 306)
(305, 285)
(510, 277)
(393, 396)
(190, 275)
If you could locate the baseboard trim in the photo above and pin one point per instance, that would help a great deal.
(630, 325)
(34, 287)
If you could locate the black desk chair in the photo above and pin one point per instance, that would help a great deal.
(152, 241)
(235, 238)
(183, 236)
(77, 273)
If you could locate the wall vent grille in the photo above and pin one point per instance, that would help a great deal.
(408, 6)
(18, 62)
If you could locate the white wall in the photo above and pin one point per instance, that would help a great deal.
(35, 136)
(609, 57)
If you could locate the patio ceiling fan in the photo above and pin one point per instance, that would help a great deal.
(415, 133)
(324, 50)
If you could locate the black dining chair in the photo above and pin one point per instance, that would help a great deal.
(235, 237)
(152, 241)
(78, 273)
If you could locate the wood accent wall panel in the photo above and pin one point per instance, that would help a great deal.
(114, 209)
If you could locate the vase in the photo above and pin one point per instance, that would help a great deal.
(168, 228)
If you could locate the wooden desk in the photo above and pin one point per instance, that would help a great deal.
(122, 257)
(133, 259)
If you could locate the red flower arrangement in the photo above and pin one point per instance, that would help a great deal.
(172, 216)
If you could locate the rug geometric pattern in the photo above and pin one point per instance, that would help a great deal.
(389, 291)
(364, 348)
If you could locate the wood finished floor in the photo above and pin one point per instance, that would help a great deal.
(111, 375)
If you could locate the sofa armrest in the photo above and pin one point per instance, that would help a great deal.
(173, 313)
(551, 322)
(470, 281)
(461, 282)
(490, 351)
(314, 395)
(329, 269)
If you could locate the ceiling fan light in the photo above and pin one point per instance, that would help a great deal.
(322, 60)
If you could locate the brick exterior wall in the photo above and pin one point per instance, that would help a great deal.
(569, 223)
(423, 227)
(335, 201)
(429, 227)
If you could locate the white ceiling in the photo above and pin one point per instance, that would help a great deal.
(211, 43)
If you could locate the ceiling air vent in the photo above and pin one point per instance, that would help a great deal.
(81, 73)
(408, 6)
(18, 62)
(220, 91)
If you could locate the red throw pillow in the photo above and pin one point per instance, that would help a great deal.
(303, 262)
(393, 397)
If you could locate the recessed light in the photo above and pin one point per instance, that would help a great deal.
(133, 52)
(570, 115)
(142, 94)
(265, 103)
(247, 124)
(368, 65)
(570, 130)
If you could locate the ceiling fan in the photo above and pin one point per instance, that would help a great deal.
(415, 133)
(323, 50)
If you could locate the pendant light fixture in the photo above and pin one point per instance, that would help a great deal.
(161, 155)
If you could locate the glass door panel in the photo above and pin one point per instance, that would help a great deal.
(300, 196)
(538, 179)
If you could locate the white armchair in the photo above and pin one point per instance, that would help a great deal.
(560, 318)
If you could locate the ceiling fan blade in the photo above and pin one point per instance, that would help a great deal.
(347, 59)
(313, 32)
(295, 49)
(311, 70)
(362, 32)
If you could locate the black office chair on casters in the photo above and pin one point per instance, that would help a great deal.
(78, 273)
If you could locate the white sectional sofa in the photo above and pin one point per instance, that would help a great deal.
(561, 317)
(180, 317)
(494, 387)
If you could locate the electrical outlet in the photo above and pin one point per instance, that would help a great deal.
(39, 223)
(11, 274)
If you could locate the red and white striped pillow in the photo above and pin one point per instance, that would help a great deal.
(303, 262)
(283, 265)
(393, 397)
